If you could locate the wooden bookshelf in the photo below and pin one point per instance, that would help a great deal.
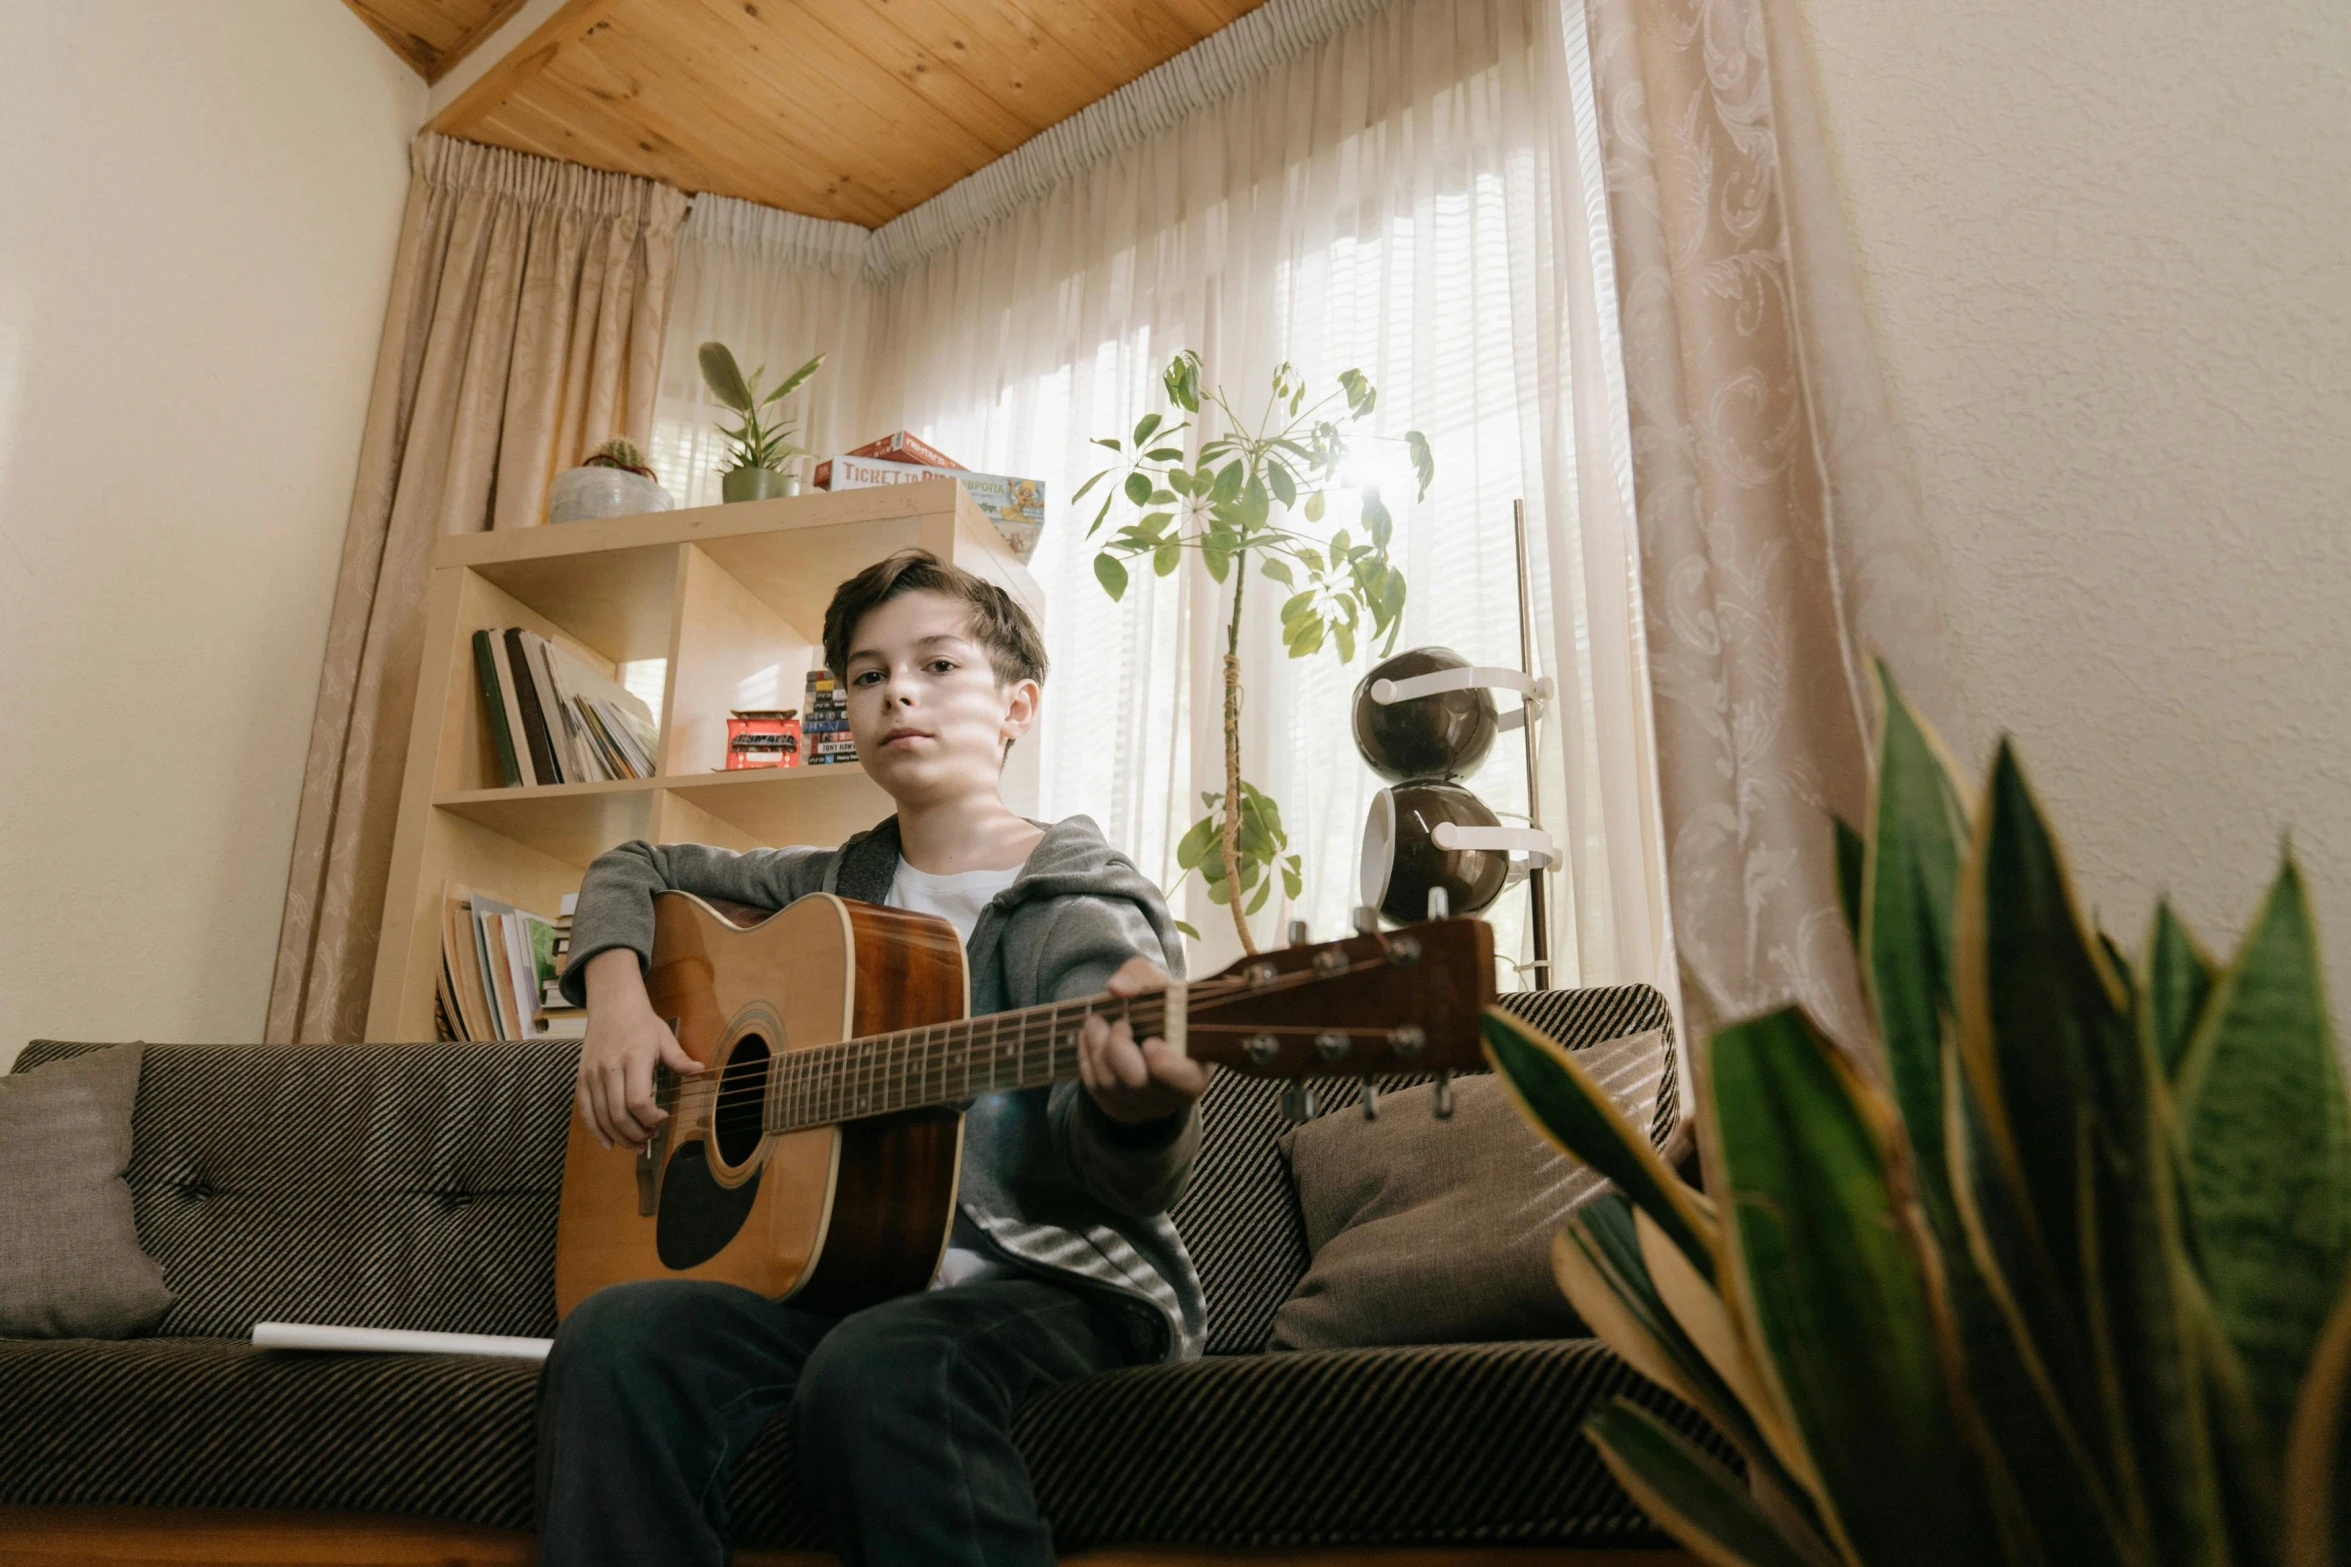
(732, 598)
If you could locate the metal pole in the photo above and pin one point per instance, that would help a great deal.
(1538, 888)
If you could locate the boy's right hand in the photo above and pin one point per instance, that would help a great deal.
(626, 1040)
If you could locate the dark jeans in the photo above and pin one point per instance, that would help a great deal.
(902, 1415)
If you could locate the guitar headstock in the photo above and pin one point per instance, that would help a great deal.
(1404, 1000)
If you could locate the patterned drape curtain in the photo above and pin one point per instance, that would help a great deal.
(1779, 539)
(529, 299)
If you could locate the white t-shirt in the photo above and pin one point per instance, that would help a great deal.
(957, 899)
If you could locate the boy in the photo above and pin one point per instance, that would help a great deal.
(1061, 1262)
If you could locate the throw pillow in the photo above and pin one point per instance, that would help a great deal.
(1424, 1231)
(70, 1264)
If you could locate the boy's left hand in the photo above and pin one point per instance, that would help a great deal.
(1136, 1083)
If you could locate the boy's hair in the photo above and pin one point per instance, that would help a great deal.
(998, 623)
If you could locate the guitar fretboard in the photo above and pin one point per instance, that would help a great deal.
(943, 1064)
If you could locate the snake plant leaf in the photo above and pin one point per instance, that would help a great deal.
(1910, 881)
(1598, 1265)
(1852, 854)
(2029, 1046)
(1603, 1269)
(2267, 1156)
(1686, 1492)
(2179, 981)
(1706, 1324)
(2318, 1453)
(724, 377)
(2045, 1484)
(1826, 1265)
(2245, 1454)
(1561, 1100)
(2083, 1228)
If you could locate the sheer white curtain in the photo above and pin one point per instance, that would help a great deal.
(1405, 198)
(775, 287)
(1407, 195)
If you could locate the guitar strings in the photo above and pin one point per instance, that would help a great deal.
(892, 1058)
(869, 1063)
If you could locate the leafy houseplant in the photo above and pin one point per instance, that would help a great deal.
(1224, 506)
(2061, 1276)
(758, 448)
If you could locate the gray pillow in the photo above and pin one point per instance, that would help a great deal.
(1438, 1232)
(70, 1264)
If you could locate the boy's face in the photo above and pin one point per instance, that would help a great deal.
(926, 711)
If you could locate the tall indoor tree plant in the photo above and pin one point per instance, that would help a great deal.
(1233, 504)
(2058, 1272)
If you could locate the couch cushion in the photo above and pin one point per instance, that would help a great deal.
(1439, 1444)
(74, 1267)
(409, 1186)
(1239, 1217)
(208, 1422)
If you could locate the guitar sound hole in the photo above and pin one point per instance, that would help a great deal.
(742, 1094)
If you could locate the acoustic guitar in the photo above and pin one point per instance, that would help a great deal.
(815, 1154)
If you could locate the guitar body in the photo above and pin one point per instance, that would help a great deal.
(837, 1216)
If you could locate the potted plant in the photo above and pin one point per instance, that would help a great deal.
(1243, 496)
(2057, 1270)
(615, 481)
(758, 450)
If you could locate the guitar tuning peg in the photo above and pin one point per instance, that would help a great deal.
(1440, 903)
(1367, 920)
(1441, 1100)
(1371, 1100)
(1298, 1102)
(1298, 933)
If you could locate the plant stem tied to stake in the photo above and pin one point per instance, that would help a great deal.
(1237, 500)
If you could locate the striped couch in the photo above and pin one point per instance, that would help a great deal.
(415, 1186)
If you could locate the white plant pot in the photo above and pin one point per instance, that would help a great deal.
(578, 494)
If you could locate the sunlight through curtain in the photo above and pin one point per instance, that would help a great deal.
(1404, 196)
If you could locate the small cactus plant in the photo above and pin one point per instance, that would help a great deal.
(621, 453)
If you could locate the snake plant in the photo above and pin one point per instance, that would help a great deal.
(2057, 1272)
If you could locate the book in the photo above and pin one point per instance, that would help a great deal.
(515, 948)
(903, 446)
(485, 668)
(555, 718)
(396, 1341)
(1016, 506)
(560, 724)
(472, 1015)
(523, 760)
(534, 715)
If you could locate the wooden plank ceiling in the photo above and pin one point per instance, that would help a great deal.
(850, 109)
(433, 35)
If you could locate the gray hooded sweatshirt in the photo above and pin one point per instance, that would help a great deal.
(1050, 1185)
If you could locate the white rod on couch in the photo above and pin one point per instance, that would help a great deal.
(396, 1341)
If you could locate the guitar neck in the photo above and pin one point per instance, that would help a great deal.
(949, 1063)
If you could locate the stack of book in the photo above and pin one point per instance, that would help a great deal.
(824, 724)
(554, 718)
(1015, 506)
(499, 967)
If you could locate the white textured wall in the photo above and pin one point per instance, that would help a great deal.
(198, 209)
(2109, 253)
